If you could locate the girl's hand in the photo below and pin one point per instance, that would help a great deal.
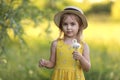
(43, 63)
(76, 55)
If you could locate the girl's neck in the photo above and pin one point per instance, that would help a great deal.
(68, 40)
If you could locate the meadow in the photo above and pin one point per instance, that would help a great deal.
(102, 35)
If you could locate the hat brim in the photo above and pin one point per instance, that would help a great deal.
(57, 17)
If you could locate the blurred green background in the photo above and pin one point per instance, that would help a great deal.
(27, 29)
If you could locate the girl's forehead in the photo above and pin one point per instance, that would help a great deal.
(70, 17)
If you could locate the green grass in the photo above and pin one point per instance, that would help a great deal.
(105, 61)
(23, 65)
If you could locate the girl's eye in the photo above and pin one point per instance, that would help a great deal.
(64, 24)
(72, 24)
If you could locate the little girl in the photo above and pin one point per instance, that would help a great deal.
(67, 62)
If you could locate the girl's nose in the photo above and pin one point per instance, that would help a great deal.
(69, 27)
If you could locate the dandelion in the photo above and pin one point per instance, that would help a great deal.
(4, 61)
(111, 75)
(30, 72)
(75, 44)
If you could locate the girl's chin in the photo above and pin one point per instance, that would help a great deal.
(70, 36)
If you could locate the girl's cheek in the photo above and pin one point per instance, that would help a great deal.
(64, 26)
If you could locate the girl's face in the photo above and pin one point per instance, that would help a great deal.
(70, 26)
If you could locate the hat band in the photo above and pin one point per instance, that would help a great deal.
(71, 9)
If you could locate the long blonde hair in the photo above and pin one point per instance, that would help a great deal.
(78, 19)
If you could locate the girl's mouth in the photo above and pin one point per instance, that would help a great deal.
(69, 31)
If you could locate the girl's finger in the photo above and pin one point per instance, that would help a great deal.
(41, 63)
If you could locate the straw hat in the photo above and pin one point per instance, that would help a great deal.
(74, 10)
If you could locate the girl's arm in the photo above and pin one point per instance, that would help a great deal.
(84, 58)
(51, 62)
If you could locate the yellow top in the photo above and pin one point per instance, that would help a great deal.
(66, 67)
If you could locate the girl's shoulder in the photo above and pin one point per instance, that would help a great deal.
(56, 42)
(85, 45)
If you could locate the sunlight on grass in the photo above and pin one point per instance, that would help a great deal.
(104, 32)
(98, 31)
